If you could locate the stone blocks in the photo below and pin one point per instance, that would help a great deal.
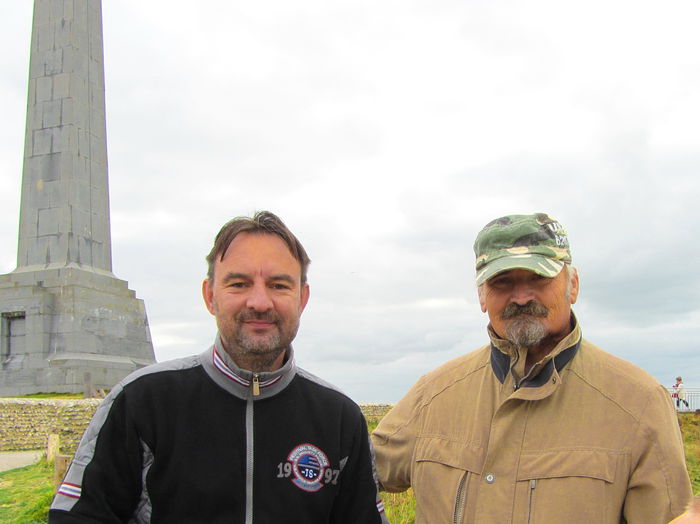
(75, 322)
(66, 140)
(27, 423)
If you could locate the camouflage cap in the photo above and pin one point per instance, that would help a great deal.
(534, 242)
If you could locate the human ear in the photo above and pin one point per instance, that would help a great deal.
(305, 293)
(482, 298)
(574, 286)
(208, 294)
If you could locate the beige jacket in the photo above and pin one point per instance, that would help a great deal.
(590, 439)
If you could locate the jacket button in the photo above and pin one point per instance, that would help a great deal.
(490, 478)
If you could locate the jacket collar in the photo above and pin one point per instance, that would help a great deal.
(505, 357)
(241, 382)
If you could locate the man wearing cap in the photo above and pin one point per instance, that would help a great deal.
(539, 425)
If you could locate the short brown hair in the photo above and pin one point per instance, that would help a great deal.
(264, 223)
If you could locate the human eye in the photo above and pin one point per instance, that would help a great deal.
(237, 284)
(499, 282)
(280, 286)
(540, 279)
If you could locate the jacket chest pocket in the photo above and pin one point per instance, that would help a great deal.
(565, 486)
(440, 477)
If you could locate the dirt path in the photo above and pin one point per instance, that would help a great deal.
(18, 459)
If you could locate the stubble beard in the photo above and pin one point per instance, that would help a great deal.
(524, 329)
(257, 352)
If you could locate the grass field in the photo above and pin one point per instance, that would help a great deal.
(52, 395)
(25, 493)
(400, 508)
(690, 426)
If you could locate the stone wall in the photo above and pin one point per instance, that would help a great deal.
(27, 423)
(375, 412)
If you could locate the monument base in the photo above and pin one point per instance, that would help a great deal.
(69, 330)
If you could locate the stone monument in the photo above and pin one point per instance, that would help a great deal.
(67, 324)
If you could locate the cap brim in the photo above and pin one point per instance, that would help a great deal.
(545, 266)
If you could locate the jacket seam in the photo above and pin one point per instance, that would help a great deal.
(426, 402)
(658, 456)
(636, 418)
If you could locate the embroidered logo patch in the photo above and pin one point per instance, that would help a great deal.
(308, 467)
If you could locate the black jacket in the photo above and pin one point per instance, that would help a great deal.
(200, 440)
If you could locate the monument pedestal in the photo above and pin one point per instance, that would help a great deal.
(69, 329)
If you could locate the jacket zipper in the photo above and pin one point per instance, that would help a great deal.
(250, 456)
(516, 383)
(531, 497)
(256, 384)
(461, 498)
(519, 383)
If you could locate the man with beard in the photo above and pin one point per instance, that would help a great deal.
(237, 433)
(539, 425)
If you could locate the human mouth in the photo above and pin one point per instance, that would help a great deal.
(259, 324)
(259, 321)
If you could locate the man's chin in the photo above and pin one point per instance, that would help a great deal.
(261, 344)
(526, 334)
(260, 347)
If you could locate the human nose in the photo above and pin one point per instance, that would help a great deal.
(259, 298)
(522, 293)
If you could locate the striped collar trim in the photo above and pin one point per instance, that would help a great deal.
(221, 365)
(239, 382)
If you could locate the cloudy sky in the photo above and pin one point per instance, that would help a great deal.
(386, 134)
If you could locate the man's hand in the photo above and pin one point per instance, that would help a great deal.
(692, 516)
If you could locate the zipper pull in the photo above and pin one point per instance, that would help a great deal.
(531, 499)
(256, 385)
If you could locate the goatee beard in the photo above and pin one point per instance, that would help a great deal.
(255, 345)
(524, 328)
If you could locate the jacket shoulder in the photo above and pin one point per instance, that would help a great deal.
(461, 365)
(179, 364)
(624, 383)
(451, 373)
(327, 391)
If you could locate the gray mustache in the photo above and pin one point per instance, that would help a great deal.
(533, 309)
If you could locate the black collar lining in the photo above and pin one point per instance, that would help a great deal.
(500, 363)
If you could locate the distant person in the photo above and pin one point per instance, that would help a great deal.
(237, 433)
(679, 393)
(539, 425)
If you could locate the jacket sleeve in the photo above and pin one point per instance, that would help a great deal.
(394, 441)
(103, 483)
(659, 486)
(358, 497)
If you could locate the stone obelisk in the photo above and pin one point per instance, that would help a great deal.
(66, 322)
